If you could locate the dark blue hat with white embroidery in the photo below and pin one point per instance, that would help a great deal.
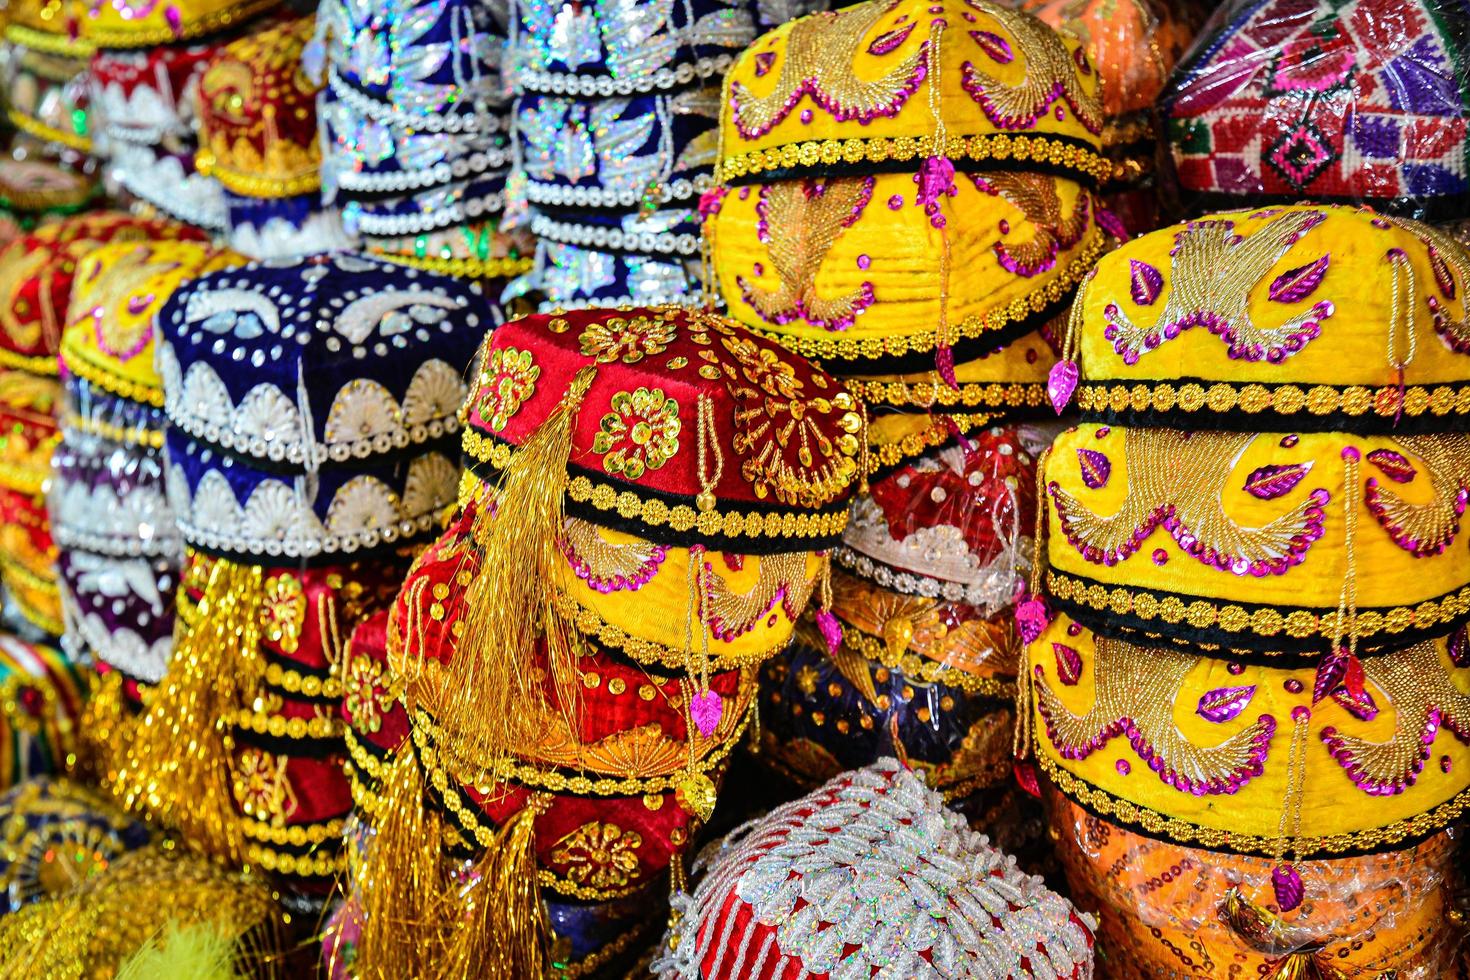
(329, 361)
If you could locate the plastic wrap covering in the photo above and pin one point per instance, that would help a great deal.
(1363, 101)
(1167, 911)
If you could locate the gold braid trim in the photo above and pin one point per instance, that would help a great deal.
(426, 737)
(915, 444)
(980, 148)
(1355, 401)
(294, 728)
(596, 961)
(588, 623)
(48, 134)
(1152, 822)
(296, 835)
(993, 395)
(655, 513)
(362, 760)
(1039, 299)
(1298, 624)
(132, 435)
(80, 362)
(133, 37)
(206, 164)
(494, 268)
(48, 43)
(916, 667)
(308, 685)
(296, 865)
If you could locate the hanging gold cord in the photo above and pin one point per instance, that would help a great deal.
(420, 920)
(490, 695)
(178, 767)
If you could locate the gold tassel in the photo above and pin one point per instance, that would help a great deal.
(499, 926)
(178, 768)
(490, 695)
(105, 730)
(400, 884)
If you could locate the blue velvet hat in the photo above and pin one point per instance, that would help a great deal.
(571, 277)
(667, 231)
(624, 47)
(313, 364)
(427, 210)
(227, 508)
(620, 153)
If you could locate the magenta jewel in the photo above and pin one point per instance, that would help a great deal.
(1061, 382)
(1031, 619)
(706, 707)
(831, 630)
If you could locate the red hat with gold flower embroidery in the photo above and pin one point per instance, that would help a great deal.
(675, 424)
(36, 274)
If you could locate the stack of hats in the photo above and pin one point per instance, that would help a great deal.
(1248, 639)
(1133, 45)
(414, 130)
(1358, 101)
(870, 875)
(616, 121)
(120, 551)
(911, 206)
(649, 497)
(310, 417)
(258, 138)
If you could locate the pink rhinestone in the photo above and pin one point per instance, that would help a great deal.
(1292, 685)
(1123, 767)
(1161, 557)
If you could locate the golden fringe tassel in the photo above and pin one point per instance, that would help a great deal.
(420, 919)
(178, 768)
(491, 694)
(105, 730)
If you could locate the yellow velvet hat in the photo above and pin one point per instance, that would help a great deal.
(118, 288)
(145, 23)
(1010, 382)
(1239, 757)
(874, 86)
(1306, 317)
(47, 25)
(1261, 541)
(865, 276)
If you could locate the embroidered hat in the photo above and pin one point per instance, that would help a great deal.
(257, 115)
(47, 25)
(41, 696)
(870, 87)
(36, 274)
(569, 277)
(868, 289)
(1369, 913)
(148, 96)
(830, 884)
(33, 191)
(120, 552)
(1305, 317)
(145, 24)
(1133, 46)
(116, 291)
(1199, 749)
(376, 721)
(47, 99)
(608, 49)
(28, 436)
(226, 507)
(684, 428)
(1274, 543)
(327, 361)
(57, 833)
(167, 182)
(1364, 101)
(942, 706)
(955, 524)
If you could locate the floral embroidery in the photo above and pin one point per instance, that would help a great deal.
(764, 367)
(599, 855)
(282, 611)
(631, 340)
(510, 379)
(640, 433)
(262, 787)
(365, 694)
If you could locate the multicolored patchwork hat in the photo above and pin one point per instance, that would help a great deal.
(1196, 536)
(885, 85)
(36, 274)
(1300, 317)
(870, 872)
(327, 361)
(1364, 101)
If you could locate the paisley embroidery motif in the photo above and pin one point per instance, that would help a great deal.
(1135, 694)
(1179, 480)
(121, 288)
(1428, 528)
(1050, 75)
(820, 52)
(1215, 269)
(800, 221)
(1036, 196)
(1423, 698)
(605, 565)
